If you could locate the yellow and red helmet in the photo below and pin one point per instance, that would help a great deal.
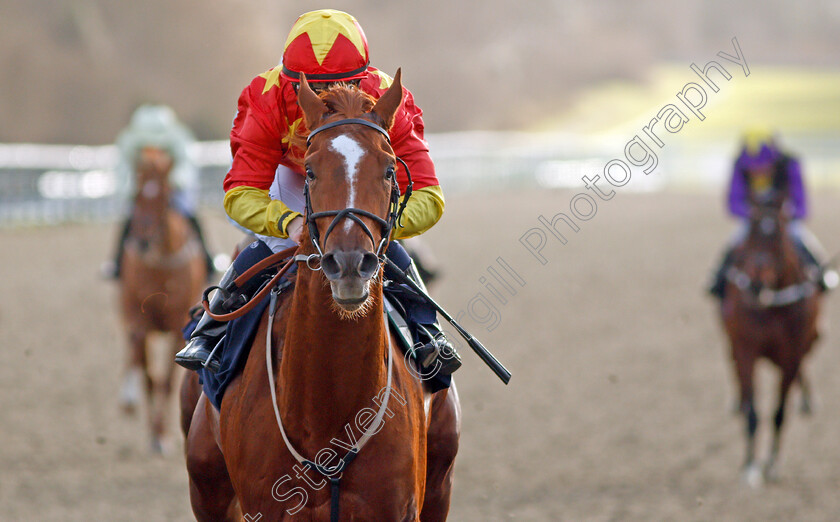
(326, 45)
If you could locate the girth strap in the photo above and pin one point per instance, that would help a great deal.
(335, 495)
(334, 476)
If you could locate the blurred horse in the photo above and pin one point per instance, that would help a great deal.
(162, 275)
(769, 310)
(324, 377)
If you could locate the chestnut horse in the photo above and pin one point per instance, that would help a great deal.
(769, 311)
(163, 272)
(326, 422)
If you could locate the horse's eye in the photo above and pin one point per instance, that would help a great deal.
(309, 173)
(389, 172)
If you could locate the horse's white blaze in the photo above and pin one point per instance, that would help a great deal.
(352, 153)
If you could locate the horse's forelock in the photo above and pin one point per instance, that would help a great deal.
(347, 101)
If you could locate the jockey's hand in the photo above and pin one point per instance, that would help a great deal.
(295, 228)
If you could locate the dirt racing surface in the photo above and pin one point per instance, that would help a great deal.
(619, 406)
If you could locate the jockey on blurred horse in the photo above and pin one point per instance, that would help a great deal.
(763, 168)
(264, 187)
(157, 126)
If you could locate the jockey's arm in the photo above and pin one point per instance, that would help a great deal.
(424, 209)
(252, 208)
(796, 190)
(738, 199)
(256, 156)
(426, 204)
(255, 141)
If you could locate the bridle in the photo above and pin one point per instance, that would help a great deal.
(148, 221)
(291, 255)
(395, 206)
(759, 295)
(333, 474)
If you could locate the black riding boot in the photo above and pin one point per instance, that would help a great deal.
(208, 258)
(826, 277)
(208, 337)
(432, 347)
(718, 286)
(205, 345)
(113, 269)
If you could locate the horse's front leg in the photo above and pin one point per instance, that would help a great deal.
(745, 365)
(806, 405)
(441, 448)
(161, 402)
(211, 492)
(788, 377)
(135, 370)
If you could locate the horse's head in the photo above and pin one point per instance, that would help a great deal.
(152, 166)
(768, 216)
(351, 188)
(767, 247)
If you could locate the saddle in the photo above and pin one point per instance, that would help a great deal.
(404, 314)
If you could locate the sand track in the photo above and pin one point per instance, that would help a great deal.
(618, 407)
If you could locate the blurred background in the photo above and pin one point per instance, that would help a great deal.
(618, 405)
(585, 77)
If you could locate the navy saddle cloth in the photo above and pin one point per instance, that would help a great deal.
(239, 336)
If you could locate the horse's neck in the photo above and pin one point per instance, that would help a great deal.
(171, 234)
(793, 270)
(174, 231)
(330, 367)
(783, 252)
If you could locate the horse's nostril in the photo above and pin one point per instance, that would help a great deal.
(330, 266)
(368, 265)
(356, 263)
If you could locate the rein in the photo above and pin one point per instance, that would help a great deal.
(333, 474)
(272, 260)
(291, 256)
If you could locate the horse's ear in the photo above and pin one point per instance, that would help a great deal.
(387, 105)
(313, 107)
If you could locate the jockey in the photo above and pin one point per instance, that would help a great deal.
(264, 187)
(157, 126)
(763, 167)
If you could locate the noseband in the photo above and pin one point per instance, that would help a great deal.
(395, 207)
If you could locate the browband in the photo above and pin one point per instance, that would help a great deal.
(356, 121)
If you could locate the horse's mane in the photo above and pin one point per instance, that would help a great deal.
(341, 98)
